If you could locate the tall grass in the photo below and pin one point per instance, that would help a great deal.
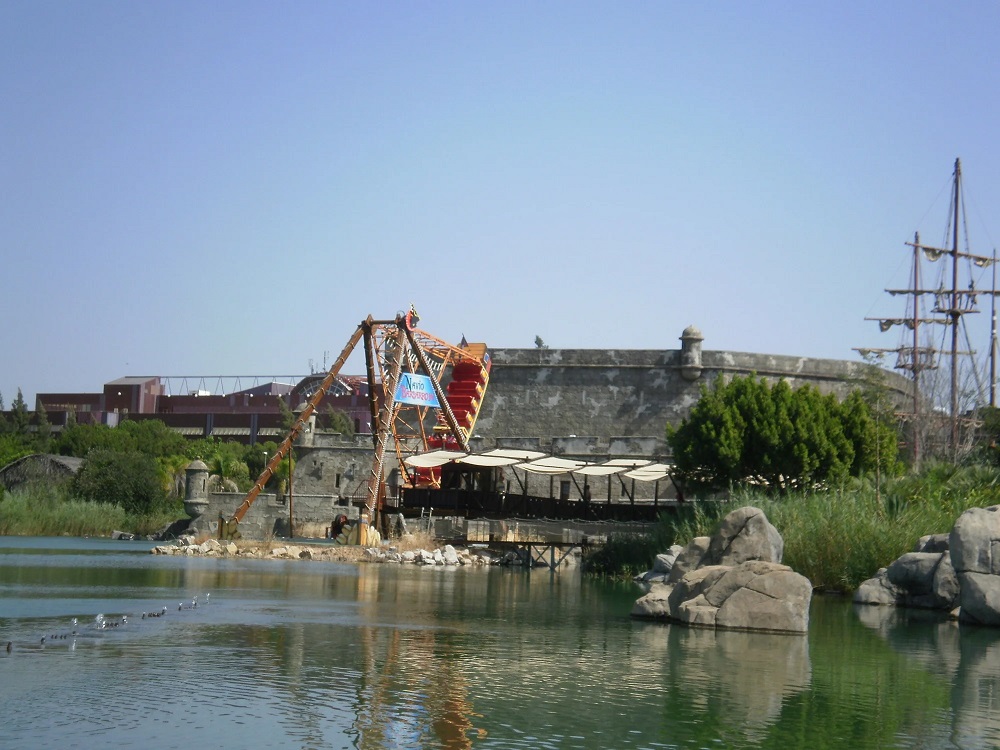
(837, 538)
(49, 511)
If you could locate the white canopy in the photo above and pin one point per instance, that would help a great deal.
(552, 465)
(537, 462)
(433, 458)
(501, 457)
(649, 473)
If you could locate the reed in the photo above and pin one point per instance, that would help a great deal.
(835, 538)
(50, 511)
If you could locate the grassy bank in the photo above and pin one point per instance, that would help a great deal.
(50, 512)
(837, 539)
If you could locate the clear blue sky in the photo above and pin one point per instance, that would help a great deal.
(229, 188)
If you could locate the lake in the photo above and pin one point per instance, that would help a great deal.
(306, 654)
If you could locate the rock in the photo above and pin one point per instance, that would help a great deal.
(879, 590)
(776, 598)
(449, 556)
(731, 580)
(745, 534)
(662, 566)
(932, 543)
(123, 536)
(974, 540)
(975, 556)
(210, 547)
(654, 604)
(980, 598)
(689, 558)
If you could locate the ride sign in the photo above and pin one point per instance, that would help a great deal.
(416, 390)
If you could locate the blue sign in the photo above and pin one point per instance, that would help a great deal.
(417, 390)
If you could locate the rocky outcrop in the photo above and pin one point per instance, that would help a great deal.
(958, 572)
(731, 580)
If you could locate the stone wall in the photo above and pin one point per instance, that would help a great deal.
(268, 515)
(616, 394)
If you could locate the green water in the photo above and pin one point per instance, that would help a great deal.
(321, 655)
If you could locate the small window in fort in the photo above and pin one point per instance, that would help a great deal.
(564, 489)
(338, 480)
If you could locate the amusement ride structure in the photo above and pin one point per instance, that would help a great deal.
(424, 393)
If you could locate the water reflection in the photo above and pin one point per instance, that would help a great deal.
(968, 656)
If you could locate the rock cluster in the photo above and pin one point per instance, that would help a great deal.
(447, 555)
(733, 580)
(957, 572)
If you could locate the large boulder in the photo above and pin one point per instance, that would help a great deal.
(753, 595)
(975, 554)
(947, 571)
(733, 580)
(924, 580)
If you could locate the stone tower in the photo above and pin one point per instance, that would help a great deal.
(196, 488)
(691, 340)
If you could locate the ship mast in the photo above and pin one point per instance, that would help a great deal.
(951, 304)
(955, 313)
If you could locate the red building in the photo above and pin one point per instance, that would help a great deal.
(247, 415)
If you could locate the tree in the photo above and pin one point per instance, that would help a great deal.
(129, 479)
(747, 432)
(154, 438)
(19, 415)
(338, 421)
(43, 430)
(79, 439)
(287, 416)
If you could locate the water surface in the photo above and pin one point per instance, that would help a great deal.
(322, 655)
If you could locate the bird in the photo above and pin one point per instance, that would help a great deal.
(10, 646)
(74, 626)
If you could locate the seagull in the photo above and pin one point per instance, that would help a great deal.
(9, 646)
(74, 626)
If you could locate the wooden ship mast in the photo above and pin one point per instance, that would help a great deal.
(952, 301)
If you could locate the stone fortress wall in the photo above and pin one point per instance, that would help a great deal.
(622, 397)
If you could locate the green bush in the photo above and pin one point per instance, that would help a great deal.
(129, 479)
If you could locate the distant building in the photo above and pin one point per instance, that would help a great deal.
(247, 415)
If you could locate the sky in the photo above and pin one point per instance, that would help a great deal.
(230, 188)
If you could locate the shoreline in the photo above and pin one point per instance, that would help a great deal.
(413, 553)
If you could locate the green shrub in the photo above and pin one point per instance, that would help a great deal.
(129, 479)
